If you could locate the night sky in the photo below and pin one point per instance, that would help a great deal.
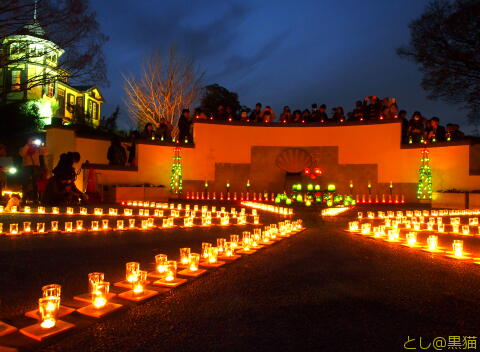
(276, 52)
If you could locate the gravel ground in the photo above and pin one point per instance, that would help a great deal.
(322, 290)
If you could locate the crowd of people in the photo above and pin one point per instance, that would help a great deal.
(417, 129)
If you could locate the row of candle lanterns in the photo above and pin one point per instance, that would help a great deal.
(269, 208)
(334, 211)
(105, 225)
(174, 212)
(420, 222)
(418, 213)
(165, 274)
(410, 239)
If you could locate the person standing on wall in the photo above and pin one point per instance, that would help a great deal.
(184, 124)
(33, 162)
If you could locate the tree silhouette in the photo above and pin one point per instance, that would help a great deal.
(445, 43)
(215, 95)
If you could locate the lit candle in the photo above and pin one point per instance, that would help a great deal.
(229, 250)
(131, 269)
(54, 226)
(139, 282)
(55, 210)
(94, 278)
(120, 225)
(100, 294)
(48, 308)
(27, 210)
(83, 211)
(205, 249)
(432, 242)
(221, 244)
(79, 225)
(112, 211)
(466, 229)
(457, 248)
(194, 261)
(171, 270)
(161, 262)
(127, 212)
(98, 211)
(234, 239)
(184, 256)
(353, 226)
(68, 226)
(41, 210)
(13, 229)
(150, 222)
(213, 255)
(27, 226)
(131, 223)
(69, 211)
(411, 238)
(94, 225)
(105, 224)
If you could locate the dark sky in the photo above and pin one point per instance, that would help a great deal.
(277, 52)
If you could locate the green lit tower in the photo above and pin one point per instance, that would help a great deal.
(176, 180)
(424, 188)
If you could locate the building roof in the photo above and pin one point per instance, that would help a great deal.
(83, 88)
(33, 29)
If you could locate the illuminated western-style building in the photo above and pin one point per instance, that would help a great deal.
(32, 74)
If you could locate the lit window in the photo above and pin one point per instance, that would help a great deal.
(14, 48)
(94, 111)
(16, 80)
(50, 91)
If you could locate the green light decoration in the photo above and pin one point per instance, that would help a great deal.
(248, 184)
(317, 187)
(331, 188)
(424, 188)
(206, 184)
(309, 187)
(176, 180)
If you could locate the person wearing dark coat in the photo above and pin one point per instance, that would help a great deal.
(116, 154)
(416, 128)
(184, 124)
(148, 132)
(435, 133)
(256, 114)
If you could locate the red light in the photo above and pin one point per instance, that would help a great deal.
(307, 171)
(318, 171)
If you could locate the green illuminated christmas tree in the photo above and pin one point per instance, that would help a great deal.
(424, 188)
(176, 180)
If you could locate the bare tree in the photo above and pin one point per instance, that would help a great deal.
(70, 24)
(165, 86)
